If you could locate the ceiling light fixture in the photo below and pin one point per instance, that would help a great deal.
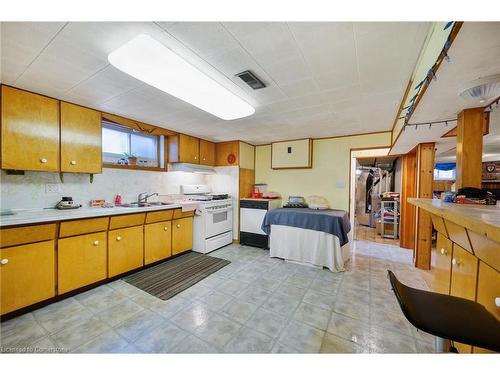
(152, 62)
(482, 90)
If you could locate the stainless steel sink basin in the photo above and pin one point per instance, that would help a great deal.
(151, 204)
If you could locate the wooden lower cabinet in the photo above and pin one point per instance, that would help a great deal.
(441, 265)
(82, 260)
(27, 275)
(463, 280)
(157, 241)
(125, 250)
(182, 235)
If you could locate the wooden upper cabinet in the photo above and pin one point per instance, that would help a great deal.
(81, 139)
(207, 152)
(227, 153)
(183, 149)
(30, 131)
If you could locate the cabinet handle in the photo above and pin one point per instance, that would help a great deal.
(178, 225)
(73, 162)
(165, 228)
(43, 160)
(96, 242)
(118, 238)
(4, 261)
(455, 262)
(443, 251)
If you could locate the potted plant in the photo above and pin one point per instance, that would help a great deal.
(132, 159)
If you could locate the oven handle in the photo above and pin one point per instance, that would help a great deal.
(216, 211)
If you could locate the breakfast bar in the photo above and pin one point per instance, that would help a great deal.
(466, 259)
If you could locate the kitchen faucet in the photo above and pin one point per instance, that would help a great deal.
(143, 197)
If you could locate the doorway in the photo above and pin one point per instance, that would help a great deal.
(375, 196)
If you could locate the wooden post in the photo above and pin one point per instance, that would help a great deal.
(470, 147)
(409, 190)
(425, 177)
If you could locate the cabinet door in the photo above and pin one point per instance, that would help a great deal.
(157, 241)
(182, 235)
(81, 144)
(81, 261)
(207, 152)
(125, 250)
(463, 280)
(488, 288)
(30, 131)
(441, 265)
(189, 149)
(27, 275)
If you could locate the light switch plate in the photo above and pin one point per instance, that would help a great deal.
(52, 188)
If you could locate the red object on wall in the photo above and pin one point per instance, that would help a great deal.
(231, 158)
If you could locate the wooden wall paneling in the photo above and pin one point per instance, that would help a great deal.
(408, 190)
(470, 147)
(247, 182)
(223, 150)
(425, 178)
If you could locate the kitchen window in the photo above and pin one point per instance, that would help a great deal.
(127, 147)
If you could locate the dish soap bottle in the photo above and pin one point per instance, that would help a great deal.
(118, 200)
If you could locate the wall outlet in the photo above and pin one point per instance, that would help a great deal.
(52, 188)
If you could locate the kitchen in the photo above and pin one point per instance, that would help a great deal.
(208, 207)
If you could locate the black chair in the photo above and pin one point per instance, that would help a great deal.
(448, 317)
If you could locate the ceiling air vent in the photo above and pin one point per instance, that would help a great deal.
(251, 80)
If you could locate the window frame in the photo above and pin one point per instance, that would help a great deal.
(160, 141)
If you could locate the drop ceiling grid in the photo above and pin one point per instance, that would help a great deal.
(321, 96)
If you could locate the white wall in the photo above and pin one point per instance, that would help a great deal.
(28, 191)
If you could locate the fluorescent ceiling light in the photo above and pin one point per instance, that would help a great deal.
(150, 61)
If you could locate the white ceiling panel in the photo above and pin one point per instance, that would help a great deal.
(322, 78)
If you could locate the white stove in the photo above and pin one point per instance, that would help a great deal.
(213, 225)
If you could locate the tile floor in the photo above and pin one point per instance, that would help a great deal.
(254, 305)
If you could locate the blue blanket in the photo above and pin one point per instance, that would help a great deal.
(335, 222)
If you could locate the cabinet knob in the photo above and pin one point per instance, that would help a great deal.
(455, 262)
(96, 242)
(43, 160)
(73, 162)
(497, 301)
(178, 225)
(165, 228)
(204, 158)
(196, 157)
(443, 251)
(4, 261)
(118, 238)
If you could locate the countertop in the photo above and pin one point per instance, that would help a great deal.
(478, 218)
(47, 215)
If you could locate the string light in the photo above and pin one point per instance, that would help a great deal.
(429, 123)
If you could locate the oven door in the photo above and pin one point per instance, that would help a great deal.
(219, 220)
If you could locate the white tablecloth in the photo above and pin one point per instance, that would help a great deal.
(309, 246)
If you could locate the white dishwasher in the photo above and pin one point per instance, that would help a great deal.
(252, 213)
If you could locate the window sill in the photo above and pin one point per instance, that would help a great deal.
(134, 167)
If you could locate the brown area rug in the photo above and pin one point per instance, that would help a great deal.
(167, 279)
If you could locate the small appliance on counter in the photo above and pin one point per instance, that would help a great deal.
(66, 203)
(252, 213)
(295, 201)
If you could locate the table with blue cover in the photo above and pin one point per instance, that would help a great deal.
(316, 237)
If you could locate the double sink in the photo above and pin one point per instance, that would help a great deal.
(145, 204)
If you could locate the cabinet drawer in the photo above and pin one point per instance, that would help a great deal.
(28, 275)
(125, 250)
(485, 249)
(458, 234)
(438, 224)
(28, 234)
(441, 265)
(156, 216)
(124, 221)
(81, 261)
(76, 227)
(182, 235)
(157, 241)
(179, 214)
